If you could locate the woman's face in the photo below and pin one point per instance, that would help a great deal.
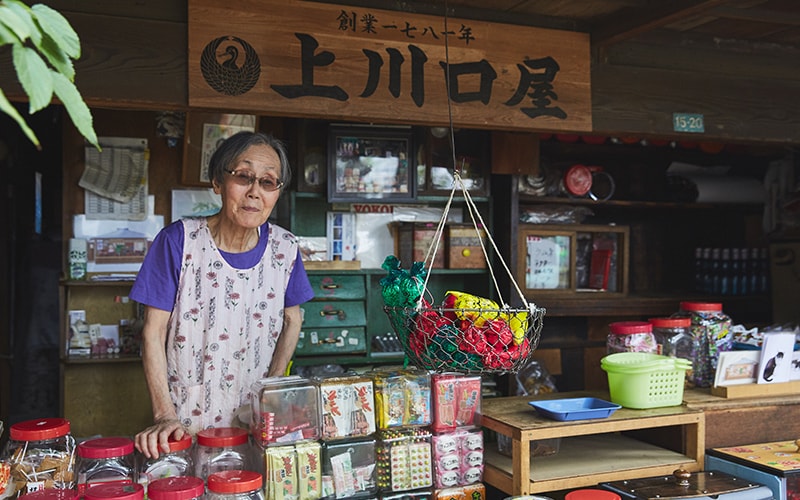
(249, 206)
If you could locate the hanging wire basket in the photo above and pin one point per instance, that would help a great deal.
(465, 334)
(468, 340)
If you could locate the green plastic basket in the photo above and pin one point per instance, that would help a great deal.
(642, 380)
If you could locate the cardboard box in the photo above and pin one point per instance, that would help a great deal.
(424, 234)
(464, 247)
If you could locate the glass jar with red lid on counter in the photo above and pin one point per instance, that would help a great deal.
(39, 455)
(630, 336)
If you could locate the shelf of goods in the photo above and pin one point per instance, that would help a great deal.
(590, 451)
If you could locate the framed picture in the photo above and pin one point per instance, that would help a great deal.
(736, 368)
(204, 133)
(370, 163)
(546, 259)
(572, 259)
(311, 158)
(435, 161)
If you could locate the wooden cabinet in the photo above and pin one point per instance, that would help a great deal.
(590, 451)
(94, 388)
(661, 234)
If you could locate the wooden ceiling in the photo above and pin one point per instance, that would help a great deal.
(612, 21)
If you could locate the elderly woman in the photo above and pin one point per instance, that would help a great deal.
(222, 297)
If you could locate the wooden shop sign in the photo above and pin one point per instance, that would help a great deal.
(321, 60)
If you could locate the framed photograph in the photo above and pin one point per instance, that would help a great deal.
(370, 163)
(204, 133)
(775, 364)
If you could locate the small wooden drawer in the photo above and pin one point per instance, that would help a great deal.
(333, 314)
(337, 286)
(331, 340)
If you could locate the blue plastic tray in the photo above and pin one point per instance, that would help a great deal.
(575, 408)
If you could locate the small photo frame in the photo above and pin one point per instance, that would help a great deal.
(370, 163)
(204, 133)
(736, 368)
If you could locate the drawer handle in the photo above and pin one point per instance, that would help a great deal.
(329, 341)
(338, 312)
(331, 286)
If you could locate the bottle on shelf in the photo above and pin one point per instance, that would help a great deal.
(735, 273)
(744, 267)
(716, 276)
(725, 272)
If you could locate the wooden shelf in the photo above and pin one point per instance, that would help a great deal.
(526, 199)
(600, 454)
(600, 304)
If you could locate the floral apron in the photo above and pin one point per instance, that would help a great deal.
(225, 325)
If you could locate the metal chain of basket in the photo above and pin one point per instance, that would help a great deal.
(465, 333)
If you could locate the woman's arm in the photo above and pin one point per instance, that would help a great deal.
(154, 359)
(287, 342)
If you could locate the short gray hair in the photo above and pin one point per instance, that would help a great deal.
(224, 158)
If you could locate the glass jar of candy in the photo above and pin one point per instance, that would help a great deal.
(710, 332)
(40, 454)
(630, 336)
(176, 488)
(106, 460)
(672, 336)
(177, 462)
(235, 485)
(114, 491)
(219, 449)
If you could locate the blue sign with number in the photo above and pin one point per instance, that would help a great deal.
(688, 122)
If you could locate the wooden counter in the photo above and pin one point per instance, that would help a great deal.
(591, 451)
(733, 422)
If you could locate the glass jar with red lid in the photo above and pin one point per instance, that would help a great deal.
(711, 334)
(40, 454)
(114, 491)
(106, 460)
(177, 462)
(672, 336)
(630, 336)
(235, 485)
(52, 494)
(176, 488)
(221, 448)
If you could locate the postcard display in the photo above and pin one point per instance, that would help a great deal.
(389, 433)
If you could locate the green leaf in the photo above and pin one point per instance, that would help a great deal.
(25, 14)
(34, 75)
(57, 57)
(78, 111)
(58, 28)
(7, 36)
(9, 18)
(7, 108)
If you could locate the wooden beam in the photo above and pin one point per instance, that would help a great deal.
(623, 27)
(758, 16)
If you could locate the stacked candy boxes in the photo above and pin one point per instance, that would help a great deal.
(348, 429)
(426, 433)
(285, 429)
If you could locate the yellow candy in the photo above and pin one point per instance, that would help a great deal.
(518, 322)
(460, 301)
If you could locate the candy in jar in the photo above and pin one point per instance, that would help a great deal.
(39, 455)
(630, 336)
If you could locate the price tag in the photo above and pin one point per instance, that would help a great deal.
(688, 122)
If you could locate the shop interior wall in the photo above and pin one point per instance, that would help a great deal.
(134, 57)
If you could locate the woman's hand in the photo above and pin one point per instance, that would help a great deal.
(153, 440)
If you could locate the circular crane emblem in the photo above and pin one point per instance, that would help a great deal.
(230, 65)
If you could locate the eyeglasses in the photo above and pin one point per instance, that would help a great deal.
(267, 183)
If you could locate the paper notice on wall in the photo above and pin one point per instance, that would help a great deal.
(117, 172)
(543, 263)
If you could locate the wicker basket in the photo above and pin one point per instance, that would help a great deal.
(468, 340)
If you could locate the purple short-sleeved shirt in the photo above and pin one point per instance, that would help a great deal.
(157, 282)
